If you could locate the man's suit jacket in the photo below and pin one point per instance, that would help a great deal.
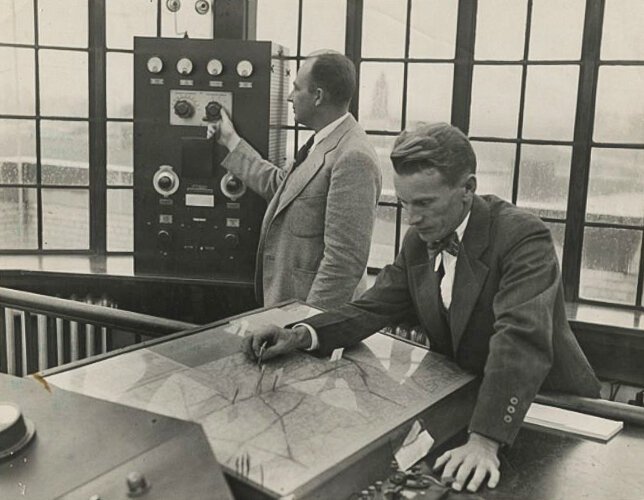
(316, 233)
(506, 322)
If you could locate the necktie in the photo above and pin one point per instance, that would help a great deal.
(303, 152)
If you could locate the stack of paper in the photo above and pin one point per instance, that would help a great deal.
(571, 421)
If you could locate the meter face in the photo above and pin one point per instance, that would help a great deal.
(184, 66)
(155, 64)
(215, 67)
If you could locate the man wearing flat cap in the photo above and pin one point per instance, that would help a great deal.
(481, 276)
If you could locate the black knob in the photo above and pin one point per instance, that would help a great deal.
(163, 239)
(137, 485)
(165, 182)
(232, 240)
(183, 109)
(234, 185)
(213, 111)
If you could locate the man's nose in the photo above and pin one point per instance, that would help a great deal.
(414, 217)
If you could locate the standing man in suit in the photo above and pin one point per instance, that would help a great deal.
(316, 234)
(482, 277)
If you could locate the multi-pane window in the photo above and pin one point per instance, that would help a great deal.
(44, 126)
(549, 92)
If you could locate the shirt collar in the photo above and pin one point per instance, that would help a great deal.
(326, 131)
(460, 230)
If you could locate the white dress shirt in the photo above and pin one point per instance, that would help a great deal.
(449, 265)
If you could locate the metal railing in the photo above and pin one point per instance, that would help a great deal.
(39, 332)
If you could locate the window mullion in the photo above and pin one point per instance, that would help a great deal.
(580, 162)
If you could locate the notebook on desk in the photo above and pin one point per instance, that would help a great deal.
(542, 416)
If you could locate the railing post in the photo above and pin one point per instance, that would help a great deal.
(10, 341)
(43, 354)
(59, 342)
(23, 350)
(90, 334)
(73, 340)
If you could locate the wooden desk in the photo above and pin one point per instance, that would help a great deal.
(548, 466)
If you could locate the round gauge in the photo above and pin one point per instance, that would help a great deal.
(184, 66)
(155, 64)
(215, 67)
(244, 68)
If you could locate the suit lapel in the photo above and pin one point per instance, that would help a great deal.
(298, 178)
(470, 272)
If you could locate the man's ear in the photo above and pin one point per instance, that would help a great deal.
(470, 185)
(319, 97)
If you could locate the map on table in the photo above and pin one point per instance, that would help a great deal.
(285, 425)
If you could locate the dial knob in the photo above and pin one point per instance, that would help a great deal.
(213, 111)
(163, 239)
(244, 68)
(136, 484)
(184, 66)
(231, 240)
(165, 182)
(155, 64)
(234, 185)
(183, 108)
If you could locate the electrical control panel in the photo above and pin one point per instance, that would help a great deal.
(191, 217)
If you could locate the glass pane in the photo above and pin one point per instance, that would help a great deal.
(383, 145)
(120, 220)
(17, 81)
(550, 102)
(623, 36)
(120, 85)
(323, 25)
(500, 29)
(433, 28)
(186, 21)
(290, 117)
(126, 19)
(63, 24)
(65, 152)
(558, 231)
(18, 219)
(119, 154)
(620, 104)
(556, 29)
(277, 21)
(495, 101)
(383, 238)
(494, 168)
(610, 264)
(17, 151)
(616, 186)
(63, 83)
(429, 93)
(381, 96)
(383, 29)
(290, 146)
(544, 176)
(17, 21)
(65, 215)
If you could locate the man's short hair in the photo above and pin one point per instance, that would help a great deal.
(437, 145)
(335, 74)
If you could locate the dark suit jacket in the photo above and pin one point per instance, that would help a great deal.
(507, 320)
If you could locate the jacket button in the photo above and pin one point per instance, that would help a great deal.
(507, 419)
(511, 409)
(514, 400)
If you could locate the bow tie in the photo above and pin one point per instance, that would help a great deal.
(449, 244)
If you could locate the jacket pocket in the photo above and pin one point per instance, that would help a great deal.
(306, 216)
